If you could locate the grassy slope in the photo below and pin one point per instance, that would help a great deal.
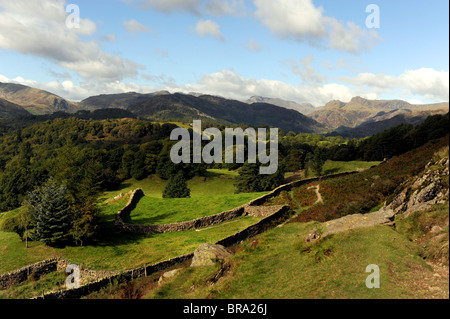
(151, 210)
(271, 266)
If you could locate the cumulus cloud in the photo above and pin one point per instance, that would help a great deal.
(77, 92)
(302, 21)
(208, 28)
(39, 28)
(427, 83)
(230, 84)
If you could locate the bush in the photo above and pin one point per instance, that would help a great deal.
(176, 187)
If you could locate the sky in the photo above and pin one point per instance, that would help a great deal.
(309, 51)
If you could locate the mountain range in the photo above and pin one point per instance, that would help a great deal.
(357, 118)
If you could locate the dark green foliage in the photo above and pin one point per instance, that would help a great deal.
(18, 224)
(402, 138)
(50, 208)
(295, 160)
(84, 225)
(177, 187)
(138, 169)
(317, 162)
(250, 180)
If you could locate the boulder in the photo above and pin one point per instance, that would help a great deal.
(167, 275)
(208, 254)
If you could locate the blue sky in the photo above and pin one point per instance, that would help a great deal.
(302, 50)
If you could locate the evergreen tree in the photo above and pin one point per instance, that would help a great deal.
(317, 162)
(176, 187)
(248, 179)
(50, 208)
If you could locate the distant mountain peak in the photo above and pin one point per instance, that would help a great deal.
(304, 108)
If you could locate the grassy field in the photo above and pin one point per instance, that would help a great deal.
(32, 287)
(272, 266)
(333, 167)
(152, 210)
(117, 251)
(216, 182)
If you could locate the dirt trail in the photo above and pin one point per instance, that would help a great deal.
(319, 197)
(318, 201)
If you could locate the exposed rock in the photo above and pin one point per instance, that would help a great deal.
(167, 275)
(420, 193)
(312, 236)
(207, 254)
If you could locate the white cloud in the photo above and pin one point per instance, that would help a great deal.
(304, 22)
(208, 28)
(76, 92)
(426, 83)
(232, 85)
(39, 28)
(133, 26)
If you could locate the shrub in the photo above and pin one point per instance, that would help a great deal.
(176, 187)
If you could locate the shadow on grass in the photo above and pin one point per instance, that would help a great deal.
(331, 171)
(156, 219)
(109, 235)
(210, 174)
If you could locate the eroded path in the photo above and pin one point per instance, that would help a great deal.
(317, 190)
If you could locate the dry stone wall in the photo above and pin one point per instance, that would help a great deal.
(288, 187)
(35, 270)
(208, 220)
(270, 216)
(236, 238)
(44, 267)
(181, 226)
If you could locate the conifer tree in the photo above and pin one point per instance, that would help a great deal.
(50, 208)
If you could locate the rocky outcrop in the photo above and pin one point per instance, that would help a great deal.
(208, 254)
(418, 194)
(424, 191)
